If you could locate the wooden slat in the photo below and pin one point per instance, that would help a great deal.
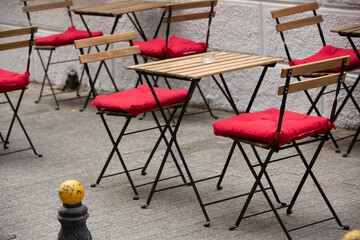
(294, 10)
(251, 142)
(15, 44)
(189, 16)
(314, 67)
(119, 8)
(353, 30)
(191, 66)
(311, 83)
(26, 0)
(299, 23)
(46, 6)
(102, 40)
(111, 54)
(17, 31)
(189, 5)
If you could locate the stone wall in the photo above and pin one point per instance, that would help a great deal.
(239, 26)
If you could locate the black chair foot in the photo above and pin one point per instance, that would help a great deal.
(141, 118)
(143, 173)
(288, 212)
(6, 145)
(346, 227)
(219, 187)
(93, 185)
(232, 228)
(81, 110)
(36, 102)
(207, 224)
(337, 150)
(57, 108)
(345, 154)
(136, 197)
(39, 155)
(283, 204)
(144, 206)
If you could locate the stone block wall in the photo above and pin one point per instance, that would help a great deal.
(239, 26)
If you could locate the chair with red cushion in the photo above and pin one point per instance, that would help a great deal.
(275, 130)
(301, 13)
(129, 103)
(13, 81)
(53, 42)
(174, 46)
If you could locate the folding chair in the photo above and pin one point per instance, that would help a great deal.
(170, 47)
(326, 52)
(53, 42)
(12, 81)
(278, 129)
(129, 103)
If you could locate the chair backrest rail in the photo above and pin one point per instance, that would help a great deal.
(299, 23)
(188, 5)
(189, 16)
(312, 83)
(303, 69)
(295, 10)
(111, 54)
(47, 6)
(102, 40)
(17, 31)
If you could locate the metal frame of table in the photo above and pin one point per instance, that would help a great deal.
(350, 32)
(190, 68)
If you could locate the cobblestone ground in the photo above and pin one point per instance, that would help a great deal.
(75, 145)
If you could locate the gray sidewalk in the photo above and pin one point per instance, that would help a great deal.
(75, 145)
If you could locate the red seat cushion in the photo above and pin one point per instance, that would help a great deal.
(11, 80)
(67, 37)
(138, 100)
(262, 126)
(177, 47)
(328, 52)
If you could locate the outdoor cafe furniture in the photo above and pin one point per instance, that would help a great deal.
(53, 42)
(186, 15)
(279, 129)
(116, 10)
(16, 82)
(326, 52)
(192, 69)
(128, 104)
(351, 32)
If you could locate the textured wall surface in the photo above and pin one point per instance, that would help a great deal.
(239, 26)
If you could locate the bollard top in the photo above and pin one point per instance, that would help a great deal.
(352, 235)
(71, 192)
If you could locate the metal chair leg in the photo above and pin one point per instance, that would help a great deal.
(352, 142)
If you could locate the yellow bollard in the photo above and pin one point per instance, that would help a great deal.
(352, 235)
(73, 214)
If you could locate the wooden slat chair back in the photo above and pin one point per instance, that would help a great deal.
(34, 7)
(109, 54)
(302, 22)
(28, 31)
(172, 17)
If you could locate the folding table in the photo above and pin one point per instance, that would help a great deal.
(190, 68)
(350, 32)
(116, 10)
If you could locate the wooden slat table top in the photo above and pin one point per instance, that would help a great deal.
(353, 31)
(119, 8)
(191, 67)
